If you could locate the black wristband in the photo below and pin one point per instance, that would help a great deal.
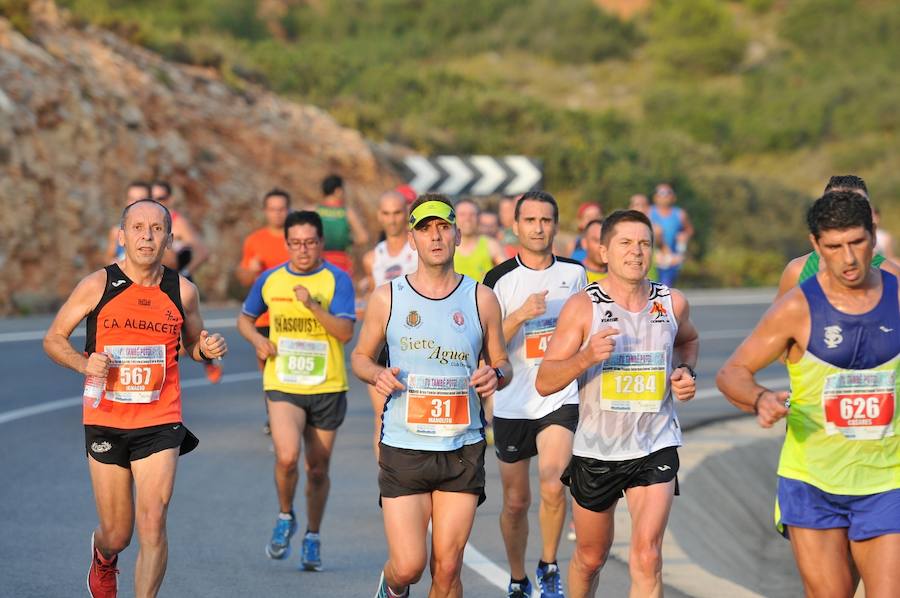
(202, 356)
(689, 369)
(756, 402)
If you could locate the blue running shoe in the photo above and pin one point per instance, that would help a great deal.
(549, 581)
(310, 559)
(279, 547)
(519, 590)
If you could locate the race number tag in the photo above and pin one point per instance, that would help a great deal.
(537, 337)
(437, 405)
(136, 373)
(633, 382)
(859, 404)
(301, 361)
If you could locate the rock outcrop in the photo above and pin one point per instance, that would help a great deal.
(83, 112)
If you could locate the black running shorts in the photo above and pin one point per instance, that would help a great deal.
(119, 446)
(596, 485)
(516, 439)
(324, 411)
(404, 472)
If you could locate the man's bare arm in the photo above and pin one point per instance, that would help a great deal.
(188, 234)
(112, 245)
(80, 303)
(534, 306)
(357, 229)
(498, 256)
(565, 359)
(484, 379)
(687, 342)
(776, 332)
(790, 276)
(198, 343)
(371, 339)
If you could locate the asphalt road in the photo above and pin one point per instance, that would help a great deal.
(224, 504)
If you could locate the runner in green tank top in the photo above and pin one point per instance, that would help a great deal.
(341, 224)
(806, 266)
(812, 264)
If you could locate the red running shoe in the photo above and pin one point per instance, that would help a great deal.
(102, 579)
(213, 372)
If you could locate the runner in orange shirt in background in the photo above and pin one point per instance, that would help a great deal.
(264, 249)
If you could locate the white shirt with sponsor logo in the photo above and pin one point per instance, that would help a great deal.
(513, 282)
(626, 409)
(387, 267)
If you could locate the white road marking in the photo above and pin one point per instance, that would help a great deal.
(23, 412)
(475, 560)
(36, 335)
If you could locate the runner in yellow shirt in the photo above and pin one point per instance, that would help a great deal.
(311, 316)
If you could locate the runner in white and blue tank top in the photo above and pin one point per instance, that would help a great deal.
(632, 347)
(438, 325)
(436, 344)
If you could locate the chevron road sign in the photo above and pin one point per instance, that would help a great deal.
(473, 175)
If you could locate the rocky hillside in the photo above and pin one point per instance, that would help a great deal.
(82, 112)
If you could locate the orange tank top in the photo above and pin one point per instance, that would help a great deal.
(140, 327)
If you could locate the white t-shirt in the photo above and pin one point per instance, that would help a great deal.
(513, 282)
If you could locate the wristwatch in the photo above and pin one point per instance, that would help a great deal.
(689, 369)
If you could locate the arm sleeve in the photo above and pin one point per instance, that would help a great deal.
(343, 304)
(254, 305)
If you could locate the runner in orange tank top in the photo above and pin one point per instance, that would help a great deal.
(139, 314)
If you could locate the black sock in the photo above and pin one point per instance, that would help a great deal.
(543, 565)
(521, 582)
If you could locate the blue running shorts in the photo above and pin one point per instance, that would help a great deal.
(866, 516)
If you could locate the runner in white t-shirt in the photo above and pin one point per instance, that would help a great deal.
(532, 288)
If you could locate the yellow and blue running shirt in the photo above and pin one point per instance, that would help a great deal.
(843, 432)
(309, 361)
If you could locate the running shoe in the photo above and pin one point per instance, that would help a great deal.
(213, 372)
(549, 581)
(310, 559)
(519, 590)
(102, 579)
(279, 547)
(384, 592)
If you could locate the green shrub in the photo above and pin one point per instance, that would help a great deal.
(696, 36)
(16, 11)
